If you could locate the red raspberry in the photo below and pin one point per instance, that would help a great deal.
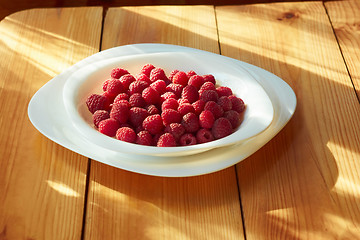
(206, 119)
(180, 78)
(185, 108)
(118, 72)
(170, 103)
(152, 109)
(175, 88)
(142, 77)
(158, 74)
(209, 78)
(105, 83)
(136, 100)
(214, 108)
(209, 95)
(109, 127)
(100, 115)
(126, 80)
(190, 93)
(121, 96)
(234, 118)
(151, 96)
(225, 103)
(114, 87)
(126, 134)
(237, 103)
(171, 116)
(198, 106)
(172, 74)
(166, 140)
(196, 81)
(224, 91)
(159, 86)
(182, 101)
(207, 86)
(191, 73)
(167, 95)
(221, 128)
(137, 86)
(153, 124)
(176, 129)
(144, 138)
(96, 102)
(137, 116)
(146, 69)
(120, 112)
(204, 135)
(190, 122)
(187, 139)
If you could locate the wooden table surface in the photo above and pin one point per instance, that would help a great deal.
(303, 184)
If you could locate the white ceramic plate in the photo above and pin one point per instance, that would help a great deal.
(88, 79)
(48, 114)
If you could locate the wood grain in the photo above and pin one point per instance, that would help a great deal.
(304, 184)
(42, 185)
(125, 205)
(344, 16)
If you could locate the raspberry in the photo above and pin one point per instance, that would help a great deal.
(114, 87)
(158, 74)
(209, 95)
(175, 88)
(225, 103)
(234, 118)
(182, 101)
(166, 140)
(150, 95)
(144, 138)
(109, 127)
(136, 100)
(118, 72)
(137, 116)
(237, 104)
(170, 103)
(126, 80)
(146, 69)
(100, 115)
(172, 74)
(170, 116)
(221, 128)
(206, 119)
(105, 83)
(190, 122)
(180, 78)
(121, 96)
(198, 106)
(159, 85)
(190, 93)
(167, 95)
(187, 139)
(214, 108)
(224, 91)
(142, 77)
(176, 129)
(126, 134)
(207, 86)
(185, 108)
(196, 81)
(209, 78)
(153, 124)
(120, 112)
(96, 102)
(191, 73)
(152, 109)
(137, 86)
(204, 135)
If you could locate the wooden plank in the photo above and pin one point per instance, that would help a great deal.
(125, 205)
(344, 16)
(42, 184)
(304, 184)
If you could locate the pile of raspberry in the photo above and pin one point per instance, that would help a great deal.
(156, 109)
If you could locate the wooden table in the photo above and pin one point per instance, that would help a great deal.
(303, 184)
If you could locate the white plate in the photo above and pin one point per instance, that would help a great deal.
(88, 79)
(47, 105)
